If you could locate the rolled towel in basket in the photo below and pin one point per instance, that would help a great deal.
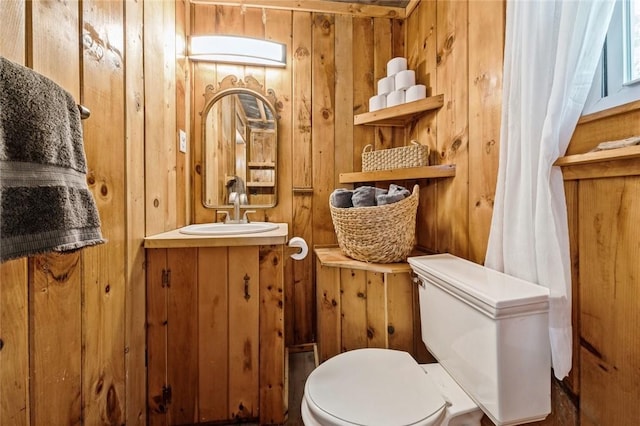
(365, 196)
(396, 193)
(341, 197)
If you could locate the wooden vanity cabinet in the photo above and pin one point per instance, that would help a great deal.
(215, 335)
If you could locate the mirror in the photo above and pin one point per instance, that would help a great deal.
(240, 144)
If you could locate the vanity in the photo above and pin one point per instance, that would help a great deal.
(215, 327)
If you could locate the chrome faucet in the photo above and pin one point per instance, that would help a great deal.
(236, 199)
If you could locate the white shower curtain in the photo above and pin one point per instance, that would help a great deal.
(552, 48)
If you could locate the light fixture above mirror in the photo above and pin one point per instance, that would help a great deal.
(237, 50)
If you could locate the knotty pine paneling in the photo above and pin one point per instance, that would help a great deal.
(14, 311)
(104, 292)
(55, 339)
(421, 57)
(333, 65)
(75, 351)
(452, 47)
(12, 16)
(486, 28)
(609, 321)
(160, 117)
(323, 138)
(299, 284)
(55, 280)
(364, 85)
(14, 331)
(343, 161)
(135, 320)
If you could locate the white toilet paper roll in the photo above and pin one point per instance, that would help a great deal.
(396, 65)
(405, 79)
(395, 98)
(377, 102)
(299, 242)
(417, 92)
(386, 85)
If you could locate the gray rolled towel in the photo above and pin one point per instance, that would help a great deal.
(341, 198)
(396, 193)
(365, 196)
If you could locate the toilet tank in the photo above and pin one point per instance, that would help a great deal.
(490, 332)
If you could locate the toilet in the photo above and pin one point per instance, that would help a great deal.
(487, 330)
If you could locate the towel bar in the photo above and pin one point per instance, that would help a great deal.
(84, 112)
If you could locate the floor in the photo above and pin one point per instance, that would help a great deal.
(300, 365)
(302, 360)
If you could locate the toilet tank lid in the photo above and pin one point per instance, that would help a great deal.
(497, 293)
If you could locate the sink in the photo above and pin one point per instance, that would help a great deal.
(227, 229)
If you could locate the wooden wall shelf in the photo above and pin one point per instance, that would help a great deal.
(399, 115)
(598, 164)
(260, 184)
(426, 172)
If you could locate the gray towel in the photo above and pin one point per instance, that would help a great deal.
(396, 193)
(341, 198)
(45, 203)
(365, 196)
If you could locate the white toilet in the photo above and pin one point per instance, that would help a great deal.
(489, 333)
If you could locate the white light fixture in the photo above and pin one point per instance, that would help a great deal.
(237, 50)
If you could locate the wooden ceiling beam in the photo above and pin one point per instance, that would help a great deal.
(322, 6)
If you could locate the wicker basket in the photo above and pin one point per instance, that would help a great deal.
(414, 155)
(380, 234)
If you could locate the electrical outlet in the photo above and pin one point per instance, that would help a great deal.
(183, 141)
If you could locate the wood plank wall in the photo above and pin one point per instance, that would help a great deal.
(329, 77)
(603, 216)
(334, 62)
(73, 325)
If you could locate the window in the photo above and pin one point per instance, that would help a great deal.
(617, 79)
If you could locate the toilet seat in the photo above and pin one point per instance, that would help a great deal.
(373, 387)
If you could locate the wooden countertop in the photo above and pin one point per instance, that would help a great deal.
(174, 239)
(333, 256)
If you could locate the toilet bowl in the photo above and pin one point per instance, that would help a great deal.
(384, 387)
(489, 332)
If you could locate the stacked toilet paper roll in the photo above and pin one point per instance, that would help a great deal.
(398, 87)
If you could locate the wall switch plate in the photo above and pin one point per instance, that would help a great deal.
(183, 141)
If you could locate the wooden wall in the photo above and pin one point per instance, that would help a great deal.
(602, 200)
(329, 77)
(456, 49)
(73, 325)
(334, 62)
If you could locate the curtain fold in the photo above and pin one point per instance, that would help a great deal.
(551, 53)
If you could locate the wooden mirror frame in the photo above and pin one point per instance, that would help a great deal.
(230, 85)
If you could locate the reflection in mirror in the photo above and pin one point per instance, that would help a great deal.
(240, 135)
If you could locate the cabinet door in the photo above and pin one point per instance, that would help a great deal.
(171, 335)
(213, 336)
(182, 337)
(243, 331)
(156, 336)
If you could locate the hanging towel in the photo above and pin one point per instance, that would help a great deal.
(45, 203)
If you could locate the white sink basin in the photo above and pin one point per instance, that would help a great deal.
(227, 229)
